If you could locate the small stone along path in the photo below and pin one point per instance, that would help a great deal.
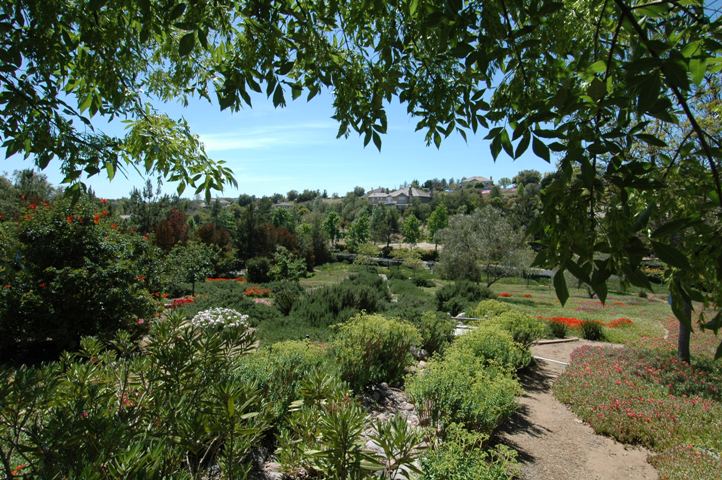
(553, 444)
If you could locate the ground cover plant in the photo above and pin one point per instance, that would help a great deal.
(648, 396)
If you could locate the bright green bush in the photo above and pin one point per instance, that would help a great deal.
(492, 345)
(278, 370)
(451, 297)
(523, 328)
(371, 349)
(490, 309)
(557, 329)
(460, 388)
(463, 456)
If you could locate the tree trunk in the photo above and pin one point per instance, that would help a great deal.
(683, 343)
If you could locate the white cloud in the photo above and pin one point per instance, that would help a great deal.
(260, 138)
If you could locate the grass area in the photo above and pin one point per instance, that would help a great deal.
(328, 274)
(541, 301)
(644, 395)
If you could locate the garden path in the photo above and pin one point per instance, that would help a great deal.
(553, 444)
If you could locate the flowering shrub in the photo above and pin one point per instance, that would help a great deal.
(592, 330)
(263, 301)
(647, 397)
(257, 292)
(620, 322)
(220, 318)
(505, 294)
(177, 302)
(570, 322)
(527, 295)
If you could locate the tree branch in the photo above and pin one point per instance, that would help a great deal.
(626, 11)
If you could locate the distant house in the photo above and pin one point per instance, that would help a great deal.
(478, 182)
(400, 198)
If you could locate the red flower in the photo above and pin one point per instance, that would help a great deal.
(164, 295)
(140, 278)
(42, 284)
(105, 213)
(69, 219)
(114, 226)
(83, 414)
(103, 201)
(15, 472)
(140, 321)
(620, 322)
(32, 206)
(505, 294)
(96, 219)
(256, 292)
(527, 295)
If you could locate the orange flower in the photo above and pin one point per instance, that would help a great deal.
(164, 295)
(96, 219)
(7, 285)
(15, 472)
(69, 219)
(114, 226)
(505, 294)
(140, 278)
(32, 206)
(103, 201)
(105, 213)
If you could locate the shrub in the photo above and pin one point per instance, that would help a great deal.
(490, 309)
(491, 345)
(463, 456)
(73, 274)
(557, 329)
(328, 305)
(436, 329)
(592, 330)
(285, 295)
(461, 291)
(220, 319)
(178, 407)
(371, 349)
(459, 388)
(286, 265)
(257, 269)
(523, 328)
(279, 370)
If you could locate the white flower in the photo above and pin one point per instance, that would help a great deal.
(220, 318)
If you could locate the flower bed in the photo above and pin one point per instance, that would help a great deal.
(177, 302)
(257, 292)
(646, 397)
(619, 322)
(505, 294)
(570, 322)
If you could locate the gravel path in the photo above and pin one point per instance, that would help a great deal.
(553, 444)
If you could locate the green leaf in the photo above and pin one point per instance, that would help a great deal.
(599, 66)
(110, 168)
(649, 89)
(597, 89)
(540, 149)
(697, 68)
(187, 43)
(413, 7)
(651, 140)
(176, 12)
(506, 143)
(560, 287)
(495, 147)
(278, 99)
(670, 255)
(377, 140)
(523, 145)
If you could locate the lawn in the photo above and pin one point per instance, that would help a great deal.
(328, 274)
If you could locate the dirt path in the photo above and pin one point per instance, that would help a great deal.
(553, 444)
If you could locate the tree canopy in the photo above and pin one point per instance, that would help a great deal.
(584, 81)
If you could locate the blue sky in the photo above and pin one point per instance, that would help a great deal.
(275, 150)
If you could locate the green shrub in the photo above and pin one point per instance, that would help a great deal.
(459, 292)
(278, 371)
(592, 330)
(73, 274)
(258, 269)
(557, 329)
(490, 309)
(463, 456)
(423, 282)
(286, 265)
(523, 328)
(492, 345)
(285, 295)
(459, 388)
(328, 305)
(436, 329)
(174, 407)
(371, 349)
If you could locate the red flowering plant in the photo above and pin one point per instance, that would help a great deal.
(505, 294)
(257, 292)
(74, 279)
(620, 322)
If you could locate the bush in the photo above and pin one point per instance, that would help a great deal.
(177, 407)
(490, 309)
(523, 328)
(423, 282)
(371, 349)
(73, 274)
(286, 265)
(455, 306)
(285, 295)
(436, 329)
(459, 388)
(493, 346)
(592, 330)
(557, 329)
(463, 456)
(461, 291)
(258, 269)
(329, 305)
(279, 370)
